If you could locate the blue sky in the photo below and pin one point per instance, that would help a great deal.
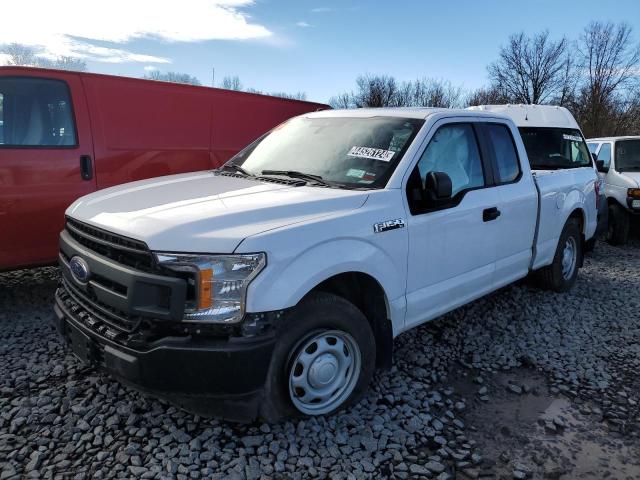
(318, 47)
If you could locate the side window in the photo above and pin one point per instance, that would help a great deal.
(605, 154)
(35, 112)
(505, 152)
(453, 150)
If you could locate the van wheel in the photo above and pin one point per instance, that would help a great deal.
(562, 273)
(618, 230)
(323, 361)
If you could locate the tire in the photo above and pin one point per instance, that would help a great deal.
(558, 276)
(319, 319)
(618, 231)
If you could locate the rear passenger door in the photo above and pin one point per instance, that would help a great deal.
(451, 247)
(517, 203)
(46, 155)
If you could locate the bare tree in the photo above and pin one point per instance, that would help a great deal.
(23, 55)
(386, 91)
(290, 96)
(231, 83)
(429, 92)
(486, 96)
(174, 77)
(375, 91)
(531, 69)
(611, 61)
(342, 100)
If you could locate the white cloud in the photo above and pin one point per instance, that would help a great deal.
(303, 24)
(322, 10)
(150, 68)
(71, 27)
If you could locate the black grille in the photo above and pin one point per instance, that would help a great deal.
(123, 250)
(95, 314)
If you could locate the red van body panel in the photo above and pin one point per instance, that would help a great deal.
(126, 129)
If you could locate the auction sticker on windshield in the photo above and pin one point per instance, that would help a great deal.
(573, 138)
(373, 153)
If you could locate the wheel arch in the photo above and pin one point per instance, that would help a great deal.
(368, 295)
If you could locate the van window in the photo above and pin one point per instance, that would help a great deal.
(554, 148)
(36, 113)
(628, 155)
(1, 120)
(605, 154)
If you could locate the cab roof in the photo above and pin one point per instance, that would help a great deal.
(550, 116)
(404, 112)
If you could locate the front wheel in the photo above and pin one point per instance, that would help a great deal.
(323, 361)
(562, 273)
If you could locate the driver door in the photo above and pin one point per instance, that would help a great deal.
(451, 248)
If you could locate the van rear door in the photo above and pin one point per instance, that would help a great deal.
(46, 155)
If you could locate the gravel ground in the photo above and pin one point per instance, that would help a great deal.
(521, 384)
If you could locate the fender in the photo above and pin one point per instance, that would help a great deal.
(282, 286)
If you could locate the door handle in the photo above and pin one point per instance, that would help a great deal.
(86, 167)
(489, 214)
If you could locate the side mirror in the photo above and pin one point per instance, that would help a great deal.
(600, 166)
(437, 188)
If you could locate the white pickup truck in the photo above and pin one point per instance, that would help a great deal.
(618, 162)
(274, 286)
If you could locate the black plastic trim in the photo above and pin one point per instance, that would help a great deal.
(175, 366)
(144, 290)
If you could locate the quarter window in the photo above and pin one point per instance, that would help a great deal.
(453, 150)
(35, 113)
(605, 154)
(505, 152)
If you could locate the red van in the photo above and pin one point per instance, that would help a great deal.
(66, 134)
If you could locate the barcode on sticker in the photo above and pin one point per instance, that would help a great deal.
(373, 153)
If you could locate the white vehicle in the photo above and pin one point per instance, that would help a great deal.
(275, 285)
(618, 161)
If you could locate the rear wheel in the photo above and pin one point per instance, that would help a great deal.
(323, 361)
(618, 231)
(562, 273)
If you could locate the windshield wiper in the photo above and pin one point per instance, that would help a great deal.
(235, 168)
(300, 175)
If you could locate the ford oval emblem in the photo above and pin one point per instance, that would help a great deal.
(79, 269)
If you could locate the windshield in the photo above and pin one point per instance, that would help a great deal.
(349, 152)
(552, 148)
(628, 155)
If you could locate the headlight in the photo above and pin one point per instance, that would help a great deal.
(633, 192)
(220, 283)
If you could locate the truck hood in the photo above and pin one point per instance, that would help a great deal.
(633, 176)
(206, 213)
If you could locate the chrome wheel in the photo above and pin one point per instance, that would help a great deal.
(324, 371)
(569, 258)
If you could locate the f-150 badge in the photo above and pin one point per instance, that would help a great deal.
(388, 225)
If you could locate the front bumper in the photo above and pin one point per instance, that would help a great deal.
(212, 377)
